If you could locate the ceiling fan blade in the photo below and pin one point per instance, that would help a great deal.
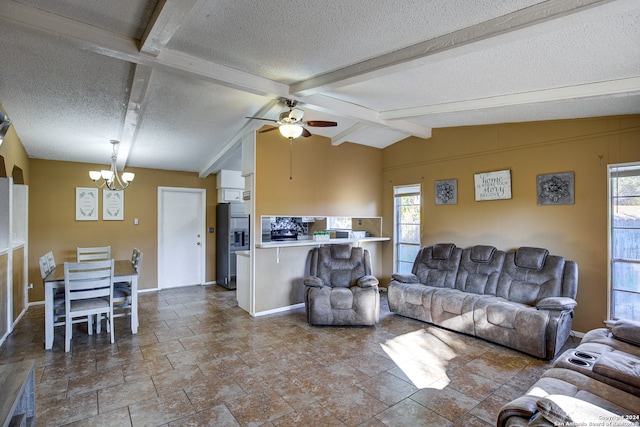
(268, 130)
(320, 123)
(306, 133)
(262, 118)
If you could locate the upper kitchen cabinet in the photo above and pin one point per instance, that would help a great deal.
(230, 185)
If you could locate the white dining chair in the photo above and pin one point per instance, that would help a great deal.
(93, 254)
(46, 267)
(88, 289)
(122, 290)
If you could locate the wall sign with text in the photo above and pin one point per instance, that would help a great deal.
(493, 185)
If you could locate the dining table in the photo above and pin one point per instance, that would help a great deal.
(124, 271)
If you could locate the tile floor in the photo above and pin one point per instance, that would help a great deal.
(199, 360)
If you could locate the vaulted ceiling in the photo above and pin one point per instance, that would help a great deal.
(173, 80)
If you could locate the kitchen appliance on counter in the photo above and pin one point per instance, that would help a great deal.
(283, 235)
(232, 235)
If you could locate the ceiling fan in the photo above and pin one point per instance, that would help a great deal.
(4, 125)
(290, 122)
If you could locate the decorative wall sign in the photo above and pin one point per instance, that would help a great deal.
(493, 185)
(555, 188)
(446, 192)
(86, 204)
(112, 205)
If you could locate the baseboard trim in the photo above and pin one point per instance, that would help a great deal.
(577, 334)
(279, 310)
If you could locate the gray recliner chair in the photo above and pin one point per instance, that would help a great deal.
(340, 289)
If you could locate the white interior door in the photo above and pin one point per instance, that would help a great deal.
(181, 236)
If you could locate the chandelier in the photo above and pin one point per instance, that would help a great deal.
(110, 178)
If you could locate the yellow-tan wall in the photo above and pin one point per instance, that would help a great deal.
(14, 155)
(577, 231)
(52, 224)
(327, 180)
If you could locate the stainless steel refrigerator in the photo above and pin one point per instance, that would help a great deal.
(232, 235)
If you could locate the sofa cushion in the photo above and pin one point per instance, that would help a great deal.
(619, 366)
(413, 294)
(532, 258)
(341, 298)
(443, 250)
(341, 278)
(527, 285)
(503, 315)
(482, 253)
(627, 330)
(340, 251)
(479, 270)
(453, 303)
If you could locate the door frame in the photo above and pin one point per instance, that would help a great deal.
(202, 215)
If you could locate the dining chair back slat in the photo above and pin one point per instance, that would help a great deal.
(51, 260)
(88, 291)
(44, 266)
(136, 259)
(93, 254)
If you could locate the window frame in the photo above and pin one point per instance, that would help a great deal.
(400, 191)
(613, 172)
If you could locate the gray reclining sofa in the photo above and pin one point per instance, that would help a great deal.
(521, 299)
(595, 384)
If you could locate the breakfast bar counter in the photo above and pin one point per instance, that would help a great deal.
(311, 242)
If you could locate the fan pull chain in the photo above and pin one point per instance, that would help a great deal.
(290, 159)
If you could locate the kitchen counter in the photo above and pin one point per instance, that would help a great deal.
(311, 242)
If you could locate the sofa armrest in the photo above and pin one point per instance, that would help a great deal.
(368, 282)
(405, 277)
(627, 330)
(522, 407)
(313, 282)
(556, 303)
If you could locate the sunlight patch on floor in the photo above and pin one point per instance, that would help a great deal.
(422, 357)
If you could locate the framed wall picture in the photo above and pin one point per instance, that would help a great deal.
(493, 185)
(86, 204)
(112, 205)
(555, 188)
(446, 192)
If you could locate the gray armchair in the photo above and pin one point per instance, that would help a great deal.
(340, 289)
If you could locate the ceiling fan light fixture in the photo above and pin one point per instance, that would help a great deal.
(290, 131)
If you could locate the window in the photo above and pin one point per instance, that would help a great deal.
(624, 241)
(339, 223)
(407, 226)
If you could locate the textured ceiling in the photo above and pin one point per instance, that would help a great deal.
(173, 80)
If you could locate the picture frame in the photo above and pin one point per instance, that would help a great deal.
(446, 192)
(494, 185)
(86, 204)
(555, 188)
(112, 205)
